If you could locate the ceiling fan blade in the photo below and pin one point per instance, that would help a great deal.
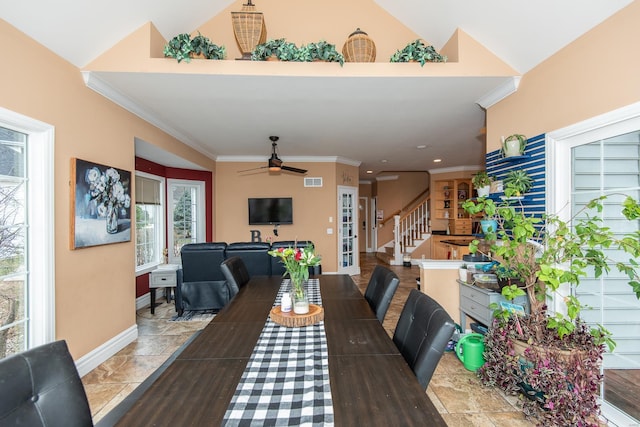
(290, 169)
(252, 169)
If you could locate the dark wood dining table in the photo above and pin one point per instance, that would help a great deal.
(371, 384)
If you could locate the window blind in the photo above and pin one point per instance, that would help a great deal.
(147, 191)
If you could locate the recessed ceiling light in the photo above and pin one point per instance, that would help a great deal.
(369, 171)
(420, 147)
(437, 160)
(384, 161)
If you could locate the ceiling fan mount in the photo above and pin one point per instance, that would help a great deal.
(275, 164)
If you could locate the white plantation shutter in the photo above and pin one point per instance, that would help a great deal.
(611, 166)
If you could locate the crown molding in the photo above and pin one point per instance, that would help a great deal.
(387, 178)
(456, 169)
(499, 93)
(289, 159)
(93, 81)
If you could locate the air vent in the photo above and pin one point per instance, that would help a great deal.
(313, 182)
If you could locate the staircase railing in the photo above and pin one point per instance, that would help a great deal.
(409, 228)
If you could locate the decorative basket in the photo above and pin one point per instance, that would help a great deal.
(359, 47)
(249, 29)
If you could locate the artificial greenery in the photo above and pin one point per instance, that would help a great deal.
(481, 179)
(320, 51)
(182, 47)
(278, 48)
(517, 182)
(418, 51)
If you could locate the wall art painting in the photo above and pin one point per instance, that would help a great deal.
(100, 204)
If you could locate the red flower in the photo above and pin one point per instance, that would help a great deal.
(298, 255)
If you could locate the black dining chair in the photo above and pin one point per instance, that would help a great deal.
(42, 387)
(422, 334)
(235, 272)
(380, 290)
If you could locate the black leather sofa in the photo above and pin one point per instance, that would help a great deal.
(201, 283)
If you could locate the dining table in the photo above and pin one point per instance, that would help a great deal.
(368, 381)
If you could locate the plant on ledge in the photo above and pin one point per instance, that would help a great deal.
(277, 48)
(183, 48)
(320, 51)
(419, 52)
(558, 363)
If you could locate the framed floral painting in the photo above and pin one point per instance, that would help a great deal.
(100, 204)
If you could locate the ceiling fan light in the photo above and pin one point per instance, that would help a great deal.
(274, 168)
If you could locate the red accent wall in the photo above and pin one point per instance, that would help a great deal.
(143, 165)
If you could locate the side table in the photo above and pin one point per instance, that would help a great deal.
(165, 276)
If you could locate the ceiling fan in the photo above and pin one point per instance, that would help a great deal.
(275, 164)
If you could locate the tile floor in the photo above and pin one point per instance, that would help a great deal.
(456, 392)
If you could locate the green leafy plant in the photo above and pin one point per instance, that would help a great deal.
(560, 369)
(182, 47)
(203, 46)
(481, 179)
(179, 48)
(517, 182)
(278, 48)
(417, 51)
(320, 51)
(520, 139)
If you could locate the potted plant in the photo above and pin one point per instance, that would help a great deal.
(417, 51)
(182, 47)
(320, 51)
(482, 183)
(514, 145)
(553, 358)
(517, 182)
(462, 273)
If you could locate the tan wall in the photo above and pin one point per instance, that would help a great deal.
(312, 207)
(597, 73)
(395, 194)
(302, 23)
(95, 287)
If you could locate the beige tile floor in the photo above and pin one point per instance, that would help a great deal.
(456, 392)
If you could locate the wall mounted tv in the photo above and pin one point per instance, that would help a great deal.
(270, 210)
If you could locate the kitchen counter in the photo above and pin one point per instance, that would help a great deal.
(457, 242)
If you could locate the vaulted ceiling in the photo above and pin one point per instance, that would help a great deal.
(378, 120)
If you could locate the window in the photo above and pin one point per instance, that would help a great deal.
(186, 208)
(26, 233)
(149, 221)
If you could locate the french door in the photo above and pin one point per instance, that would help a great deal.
(602, 157)
(348, 255)
(186, 215)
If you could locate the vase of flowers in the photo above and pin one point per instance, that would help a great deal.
(296, 263)
(109, 193)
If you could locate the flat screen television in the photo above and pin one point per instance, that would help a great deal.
(270, 210)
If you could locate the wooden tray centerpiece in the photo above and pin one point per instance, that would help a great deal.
(292, 320)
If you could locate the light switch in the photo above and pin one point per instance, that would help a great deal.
(330, 219)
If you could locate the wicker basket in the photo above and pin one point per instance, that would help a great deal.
(359, 47)
(249, 29)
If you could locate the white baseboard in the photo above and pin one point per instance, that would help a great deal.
(91, 360)
(143, 301)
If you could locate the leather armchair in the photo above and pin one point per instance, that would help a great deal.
(422, 334)
(254, 255)
(277, 267)
(201, 284)
(41, 387)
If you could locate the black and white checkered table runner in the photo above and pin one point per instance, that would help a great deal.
(286, 382)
